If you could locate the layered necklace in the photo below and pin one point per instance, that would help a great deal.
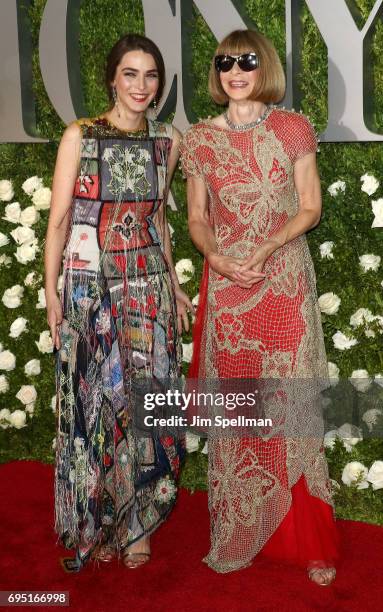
(247, 126)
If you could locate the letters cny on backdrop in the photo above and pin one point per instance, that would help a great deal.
(166, 23)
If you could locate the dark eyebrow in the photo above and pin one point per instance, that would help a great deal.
(135, 70)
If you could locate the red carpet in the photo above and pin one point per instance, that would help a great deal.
(175, 579)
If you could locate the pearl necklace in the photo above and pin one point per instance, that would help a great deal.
(247, 126)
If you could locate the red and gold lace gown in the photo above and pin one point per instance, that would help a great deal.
(265, 494)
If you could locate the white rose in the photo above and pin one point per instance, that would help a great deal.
(32, 184)
(18, 326)
(343, 342)
(53, 403)
(350, 435)
(333, 372)
(353, 472)
(369, 184)
(54, 443)
(7, 361)
(26, 252)
(325, 249)
(3, 239)
(4, 418)
(369, 262)
(195, 300)
(336, 187)
(370, 417)
(205, 450)
(6, 191)
(4, 384)
(27, 394)
(191, 442)
(377, 209)
(41, 297)
(23, 234)
(29, 280)
(330, 437)
(361, 380)
(329, 303)
(18, 418)
(184, 270)
(45, 344)
(12, 296)
(187, 352)
(361, 316)
(42, 198)
(5, 260)
(29, 216)
(375, 475)
(12, 212)
(32, 367)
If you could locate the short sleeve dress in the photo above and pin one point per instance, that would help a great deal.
(119, 326)
(271, 331)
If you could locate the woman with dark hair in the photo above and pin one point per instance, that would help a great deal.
(253, 193)
(120, 315)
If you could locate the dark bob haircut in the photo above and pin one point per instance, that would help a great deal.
(133, 42)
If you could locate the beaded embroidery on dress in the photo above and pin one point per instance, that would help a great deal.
(271, 331)
(119, 325)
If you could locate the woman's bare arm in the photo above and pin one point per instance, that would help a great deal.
(65, 174)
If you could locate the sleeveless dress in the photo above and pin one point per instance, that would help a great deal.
(271, 332)
(119, 326)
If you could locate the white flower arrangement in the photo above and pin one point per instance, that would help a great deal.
(31, 185)
(377, 209)
(361, 316)
(18, 418)
(12, 296)
(325, 249)
(343, 342)
(187, 352)
(355, 474)
(4, 418)
(369, 184)
(333, 372)
(18, 326)
(369, 261)
(27, 394)
(45, 344)
(4, 240)
(191, 442)
(53, 403)
(4, 384)
(329, 303)
(32, 367)
(335, 188)
(7, 361)
(360, 380)
(371, 416)
(6, 191)
(41, 297)
(5, 260)
(375, 475)
(27, 252)
(184, 269)
(22, 234)
(42, 198)
(12, 212)
(29, 216)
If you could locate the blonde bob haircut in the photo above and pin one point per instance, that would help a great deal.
(271, 83)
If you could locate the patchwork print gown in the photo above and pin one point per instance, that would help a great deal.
(119, 326)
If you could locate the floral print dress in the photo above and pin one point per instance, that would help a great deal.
(119, 326)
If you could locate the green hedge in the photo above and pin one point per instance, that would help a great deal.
(346, 220)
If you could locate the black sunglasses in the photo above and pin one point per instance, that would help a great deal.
(247, 62)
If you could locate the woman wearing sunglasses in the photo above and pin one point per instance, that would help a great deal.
(253, 193)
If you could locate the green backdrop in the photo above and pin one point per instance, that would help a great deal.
(346, 221)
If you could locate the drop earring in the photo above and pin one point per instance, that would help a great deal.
(115, 100)
(155, 108)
